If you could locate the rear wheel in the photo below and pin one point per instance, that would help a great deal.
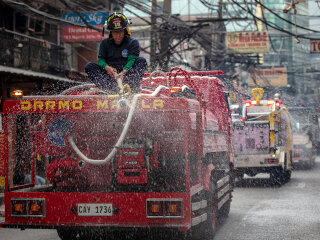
(240, 175)
(67, 234)
(211, 224)
(72, 234)
(206, 230)
(311, 163)
(224, 211)
(276, 176)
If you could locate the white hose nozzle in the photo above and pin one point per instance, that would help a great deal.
(119, 82)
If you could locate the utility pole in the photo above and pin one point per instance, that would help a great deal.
(218, 51)
(165, 39)
(153, 35)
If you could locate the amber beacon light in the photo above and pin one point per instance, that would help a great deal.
(17, 93)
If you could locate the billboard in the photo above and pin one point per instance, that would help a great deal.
(315, 46)
(83, 34)
(248, 42)
(269, 77)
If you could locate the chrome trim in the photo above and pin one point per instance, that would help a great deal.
(223, 181)
(196, 189)
(197, 220)
(223, 201)
(199, 205)
(223, 191)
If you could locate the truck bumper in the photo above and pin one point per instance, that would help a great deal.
(129, 210)
(257, 161)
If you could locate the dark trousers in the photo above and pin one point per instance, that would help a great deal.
(104, 81)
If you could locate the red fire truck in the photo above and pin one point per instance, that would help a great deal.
(84, 160)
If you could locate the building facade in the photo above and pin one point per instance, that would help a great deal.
(34, 56)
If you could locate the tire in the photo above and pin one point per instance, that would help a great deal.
(311, 163)
(240, 176)
(67, 234)
(277, 176)
(287, 176)
(72, 234)
(207, 229)
(210, 225)
(224, 211)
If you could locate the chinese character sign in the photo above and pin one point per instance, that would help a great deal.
(248, 42)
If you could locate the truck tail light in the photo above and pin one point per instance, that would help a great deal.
(36, 208)
(271, 161)
(28, 207)
(18, 207)
(173, 208)
(154, 208)
(164, 208)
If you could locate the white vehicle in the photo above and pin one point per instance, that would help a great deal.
(263, 140)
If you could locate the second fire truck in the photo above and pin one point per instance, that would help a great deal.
(263, 139)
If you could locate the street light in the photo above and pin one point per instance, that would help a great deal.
(287, 6)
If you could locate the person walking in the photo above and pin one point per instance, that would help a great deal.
(118, 57)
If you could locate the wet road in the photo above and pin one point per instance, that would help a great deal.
(265, 212)
(259, 211)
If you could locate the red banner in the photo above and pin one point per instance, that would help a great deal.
(81, 34)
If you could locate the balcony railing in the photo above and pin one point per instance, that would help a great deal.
(25, 52)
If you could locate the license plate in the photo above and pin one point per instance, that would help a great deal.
(95, 209)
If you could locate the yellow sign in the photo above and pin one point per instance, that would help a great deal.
(269, 77)
(154, 104)
(248, 42)
(50, 105)
(257, 94)
(2, 181)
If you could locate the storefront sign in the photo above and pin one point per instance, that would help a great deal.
(82, 34)
(269, 77)
(248, 42)
(315, 46)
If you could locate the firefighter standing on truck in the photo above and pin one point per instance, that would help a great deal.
(118, 57)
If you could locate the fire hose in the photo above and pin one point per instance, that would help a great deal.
(123, 133)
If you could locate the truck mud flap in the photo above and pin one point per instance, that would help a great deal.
(199, 205)
(222, 186)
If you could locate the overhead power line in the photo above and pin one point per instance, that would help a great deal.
(270, 25)
(286, 20)
(23, 7)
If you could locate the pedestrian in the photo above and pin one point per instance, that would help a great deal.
(118, 57)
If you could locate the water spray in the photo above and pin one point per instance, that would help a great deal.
(122, 101)
(123, 133)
